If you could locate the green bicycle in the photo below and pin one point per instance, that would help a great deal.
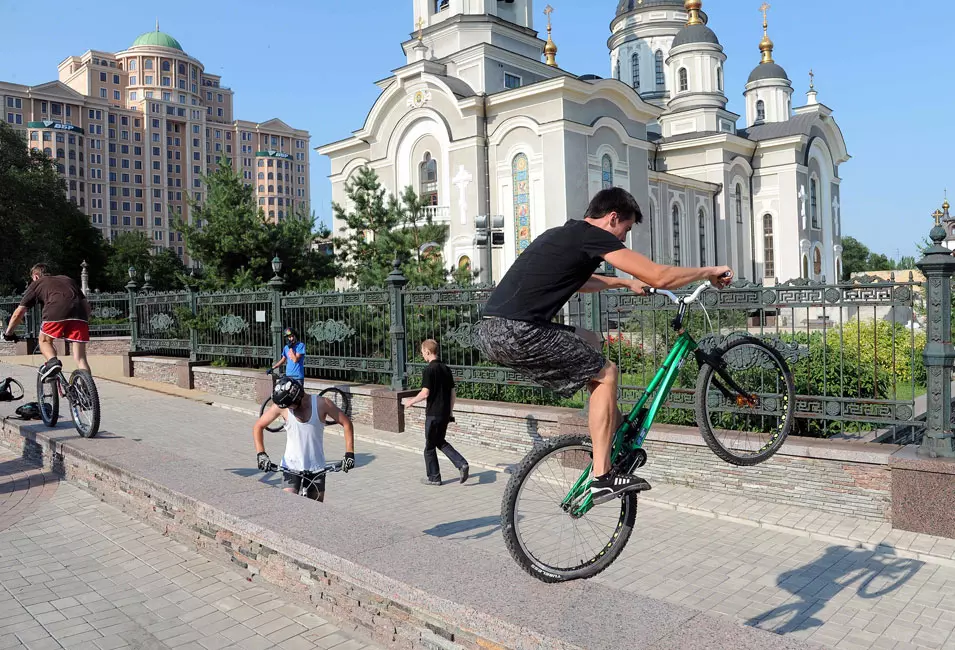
(745, 398)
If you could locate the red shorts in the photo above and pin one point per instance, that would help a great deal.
(71, 330)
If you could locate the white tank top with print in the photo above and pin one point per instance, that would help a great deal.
(304, 447)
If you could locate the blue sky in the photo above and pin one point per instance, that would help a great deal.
(884, 68)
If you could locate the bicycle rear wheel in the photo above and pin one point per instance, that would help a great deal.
(84, 403)
(278, 423)
(745, 402)
(48, 399)
(547, 541)
(340, 399)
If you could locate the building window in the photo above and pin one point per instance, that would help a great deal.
(813, 196)
(684, 81)
(817, 262)
(719, 79)
(769, 257)
(522, 202)
(701, 216)
(635, 68)
(676, 235)
(739, 227)
(428, 179)
(760, 111)
(606, 172)
(653, 244)
(658, 65)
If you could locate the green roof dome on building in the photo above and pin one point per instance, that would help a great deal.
(159, 39)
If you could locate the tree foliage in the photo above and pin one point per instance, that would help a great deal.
(857, 258)
(134, 249)
(235, 242)
(376, 230)
(37, 221)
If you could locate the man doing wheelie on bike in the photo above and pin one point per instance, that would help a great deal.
(65, 315)
(305, 425)
(517, 329)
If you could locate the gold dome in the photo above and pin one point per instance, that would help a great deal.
(766, 45)
(550, 48)
(693, 8)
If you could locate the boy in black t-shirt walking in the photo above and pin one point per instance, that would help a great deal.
(437, 387)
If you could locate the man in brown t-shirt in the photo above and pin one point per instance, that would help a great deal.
(65, 316)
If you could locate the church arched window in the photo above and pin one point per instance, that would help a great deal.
(805, 266)
(684, 80)
(616, 70)
(440, 5)
(676, 235)
(635, 68)
(653, 244)
(606, 172)
(658, 69)
(816, 262)
(428, 180)
(520, 178)
(701, 217)
(719, 79)
(813, 200)
(739, 227)
(769, 255)
(760, 110)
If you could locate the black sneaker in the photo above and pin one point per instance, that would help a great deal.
(464, 473)
(615, 484)
(427, 481)
(50, 368)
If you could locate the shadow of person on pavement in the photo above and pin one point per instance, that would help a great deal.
(875, 572)
(484, 527)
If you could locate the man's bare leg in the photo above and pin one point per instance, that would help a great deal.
(46, 346)
(79, 355)
(603, 416)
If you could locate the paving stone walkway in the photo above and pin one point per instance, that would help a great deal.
(77, 573)
(798, 586)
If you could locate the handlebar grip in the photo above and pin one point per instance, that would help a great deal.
(274, 468)
(728, 274)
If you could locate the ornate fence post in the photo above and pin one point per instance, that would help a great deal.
(938, 266)
(133, 318)
(396, 298)
(85, 278)
(275, 284)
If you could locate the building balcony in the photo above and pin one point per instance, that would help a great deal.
(437, 213)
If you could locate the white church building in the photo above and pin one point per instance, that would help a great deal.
(481, 120)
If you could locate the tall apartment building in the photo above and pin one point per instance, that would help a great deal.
(132, 133)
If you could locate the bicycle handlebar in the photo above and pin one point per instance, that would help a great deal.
(330, 467)
(10, 338)
(686, 300)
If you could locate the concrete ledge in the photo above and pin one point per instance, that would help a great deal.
(381, 580)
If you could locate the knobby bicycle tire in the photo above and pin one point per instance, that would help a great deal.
(702, 413)
(49, 404)
(271, 427)
(82, 381)
(535, 567)
(340, 399)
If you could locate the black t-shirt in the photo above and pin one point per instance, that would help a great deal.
(550, 271)
(439, 381)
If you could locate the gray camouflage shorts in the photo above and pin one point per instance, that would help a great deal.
(551, 355)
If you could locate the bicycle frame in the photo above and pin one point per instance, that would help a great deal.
(655, 393)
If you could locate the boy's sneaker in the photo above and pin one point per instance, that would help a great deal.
(50, 368)
(428, 481)
(609, 486)
(465, 470)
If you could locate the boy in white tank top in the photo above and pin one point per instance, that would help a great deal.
(305, 416)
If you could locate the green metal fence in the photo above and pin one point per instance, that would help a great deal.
(109, 314)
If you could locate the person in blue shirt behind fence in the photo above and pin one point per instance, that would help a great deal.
(293, 355)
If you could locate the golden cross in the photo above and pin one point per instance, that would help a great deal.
(938, 214)
(764, 9)
(420, 25)
(812, 77)
(548, 10)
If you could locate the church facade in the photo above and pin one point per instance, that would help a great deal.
(481, 120)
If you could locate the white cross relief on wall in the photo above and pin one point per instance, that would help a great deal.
(835, 211)
(462, 180)
(802, 204)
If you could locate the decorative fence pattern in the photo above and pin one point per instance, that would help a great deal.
(109, 315)
(161, 323)
(235, 325)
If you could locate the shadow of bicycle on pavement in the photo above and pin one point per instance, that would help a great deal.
(871, 573)
(477, 528)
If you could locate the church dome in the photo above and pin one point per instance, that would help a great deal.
(626, 6)
(767, 71)
(695, 34)
(158, 39)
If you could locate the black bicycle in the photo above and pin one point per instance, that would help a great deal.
(308, 478)
(79, 390)
(337, 397)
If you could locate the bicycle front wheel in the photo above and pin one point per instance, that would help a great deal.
(48, 399)
(84, 403)
(340, 399)
(278, 423)
(544, 538)
(745, 402)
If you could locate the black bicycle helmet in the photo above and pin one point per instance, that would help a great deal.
(290, 331)
(287, 392)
